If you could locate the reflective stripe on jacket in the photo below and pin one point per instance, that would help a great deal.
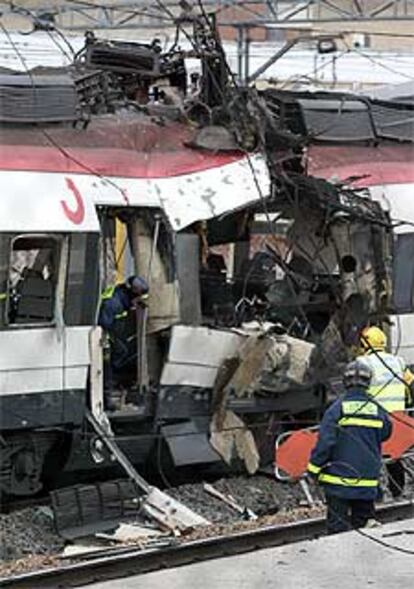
(387, 383)
(347, 456)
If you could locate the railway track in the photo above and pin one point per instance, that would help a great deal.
(9, 506)
(127, 561)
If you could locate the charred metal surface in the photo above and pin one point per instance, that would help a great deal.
(38, 99)
(339, 117)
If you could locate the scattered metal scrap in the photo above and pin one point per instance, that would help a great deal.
(229, 500)
(82, 510)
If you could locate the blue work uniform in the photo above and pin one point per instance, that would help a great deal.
(347, 458)
(118, 318)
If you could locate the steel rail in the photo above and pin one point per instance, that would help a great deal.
(124, 562)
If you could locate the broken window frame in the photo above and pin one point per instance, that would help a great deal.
(58, 283)
(82, 285)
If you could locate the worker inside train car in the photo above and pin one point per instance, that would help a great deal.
(347, 457)
(390, 386)
(118, 312)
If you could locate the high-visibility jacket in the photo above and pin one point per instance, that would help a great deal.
(387, 386)
(347, 455)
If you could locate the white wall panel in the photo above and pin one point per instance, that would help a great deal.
(32, 360)
(30, 381)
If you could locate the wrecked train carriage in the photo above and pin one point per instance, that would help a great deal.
(387, 173)
(362, 143)
(188, 221)
(63, 191)
(339, 266)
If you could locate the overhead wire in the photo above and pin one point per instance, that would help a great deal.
(377, 62)
(46, 28)
(296, 77)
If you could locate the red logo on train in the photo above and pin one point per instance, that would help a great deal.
(75, 215)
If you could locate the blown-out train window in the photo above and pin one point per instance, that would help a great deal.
(33, 279)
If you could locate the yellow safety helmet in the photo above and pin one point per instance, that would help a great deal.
(373, 338)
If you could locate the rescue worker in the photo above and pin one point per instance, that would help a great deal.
(347, 457)
(118, 318)
(390, 386)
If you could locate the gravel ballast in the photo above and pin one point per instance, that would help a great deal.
(28, 532)
(28, 540)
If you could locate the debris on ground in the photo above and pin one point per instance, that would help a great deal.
(130, 533)
(229, 500)
(261, 494)
(26, 533)
(31, 531)
(29, 541)
(284, 517)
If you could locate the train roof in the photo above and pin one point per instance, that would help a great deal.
(363, 165)
(126, 161)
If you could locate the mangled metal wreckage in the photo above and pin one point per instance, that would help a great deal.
(259, 276)
(296, 308)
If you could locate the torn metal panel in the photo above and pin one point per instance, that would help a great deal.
(130, 533)
(269, 364)
(288, 364)
(201, 345)
(210, 193)
(138, 163)
(163, 294)
(232, 439)
(154, 503)
(188, 443)
(310, 243)
(196, 353)
(171, 514)
(252, 356)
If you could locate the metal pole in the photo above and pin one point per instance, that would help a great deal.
(240, 43)
(246, 57)
(275, 57)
